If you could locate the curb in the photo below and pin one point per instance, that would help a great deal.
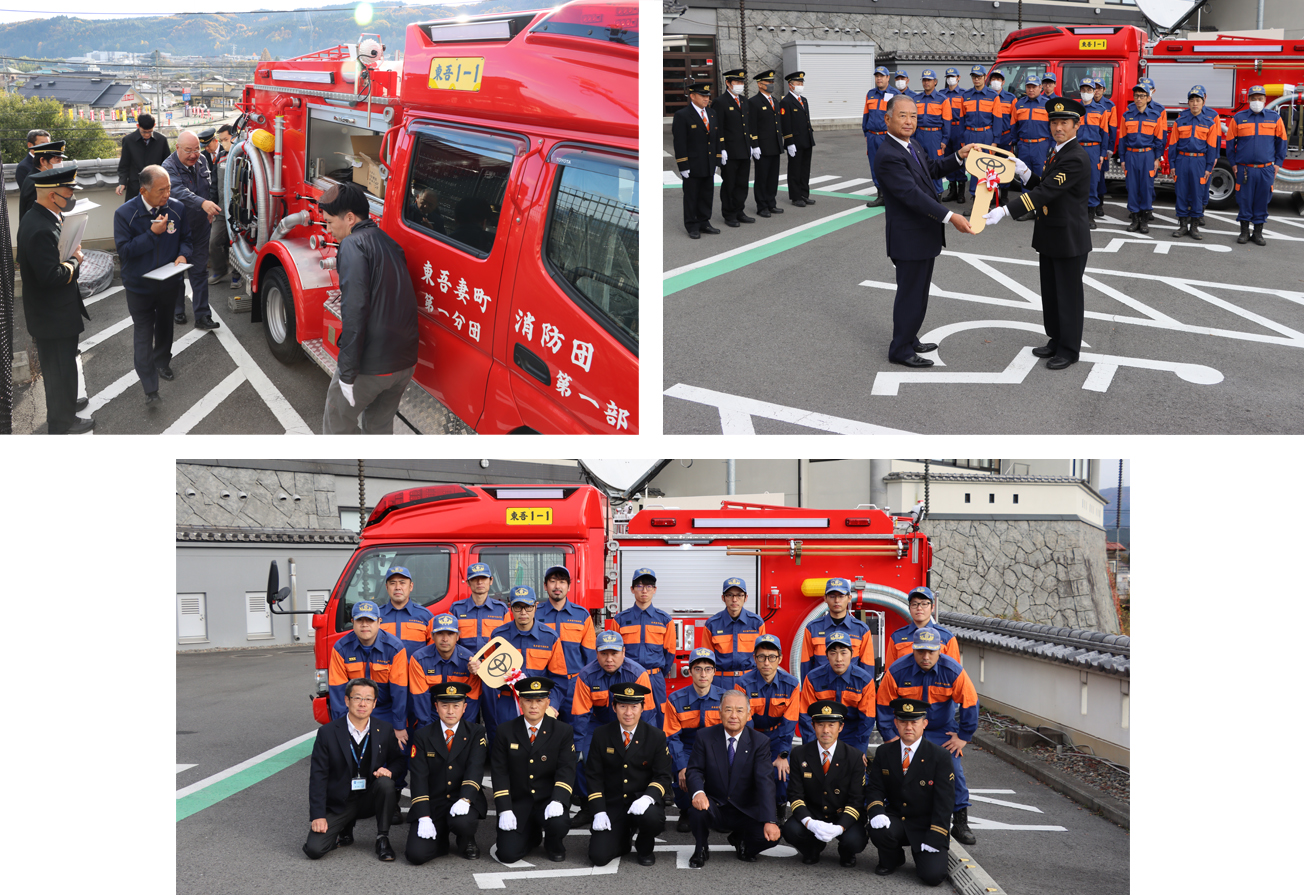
(1110, 808)
(966, 875)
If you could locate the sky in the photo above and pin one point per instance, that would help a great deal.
(1109, 473)
(22, 10)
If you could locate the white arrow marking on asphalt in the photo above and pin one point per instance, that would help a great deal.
(736, 413)
(499, 880)
(979, 823)
(185, 767)
(684, 852)
(1161, 248)
(1005, 803)
(493, 853)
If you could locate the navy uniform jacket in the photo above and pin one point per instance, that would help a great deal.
(543, 770)
(839, 796)
(25, 167)
(914, 226)
(26, 198)
(697, 149)
(747, 784)
(52, 302)
(794, 114)
(441, 776)
(619, 775)
(141, 250)
(735, 124)
(191, 187)
(1059, 199)
(329, 787)
(922, 797)
(764, 122)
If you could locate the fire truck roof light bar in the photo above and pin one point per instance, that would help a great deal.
(397, 500)
(307, 77)
(465, 31)
(530, 494)
(1237, 48)
(1095, 30)
(741, 522)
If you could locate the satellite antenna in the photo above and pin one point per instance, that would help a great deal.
(1166, 15)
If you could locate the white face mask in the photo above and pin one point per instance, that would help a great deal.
(1088, 97)
(901, 83)
(1256, 105)
(796, 88)
(736, 89)
(951, 82)
(998, 86)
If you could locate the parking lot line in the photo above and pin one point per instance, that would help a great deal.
(285, 414)
(128, 379)
(106, 333)
(736, 414)
(206, 404)
(211, 790)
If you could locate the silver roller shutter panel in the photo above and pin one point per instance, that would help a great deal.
(688, 578)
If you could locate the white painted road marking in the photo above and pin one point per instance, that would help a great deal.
(185, 767)
(285, 414)
(979, 823)
(1161, 248)
(755, 245)
(978, 798)
(499, 880)
(736, 413)
(206, 405)
(128, 379)
(235, 769)
(104, 334)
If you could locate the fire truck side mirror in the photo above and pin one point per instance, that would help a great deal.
(273, 584)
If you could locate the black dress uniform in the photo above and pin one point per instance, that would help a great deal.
(618, 775)
(49, 152)
(443, 773)
(767, 135)
(24, 169)
(1061, 236)
(336, 761)
(733, 114)
(52, 302)
(794, 114)
(836, 797)
(698, 142)
(527, 776)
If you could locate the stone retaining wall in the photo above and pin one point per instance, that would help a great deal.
(262, 508)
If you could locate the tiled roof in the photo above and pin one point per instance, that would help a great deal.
(90, 173)
(102, 92)
(266, 535)
(1105, 653)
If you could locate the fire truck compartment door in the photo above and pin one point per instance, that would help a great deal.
(689, 578)
(1173, 80)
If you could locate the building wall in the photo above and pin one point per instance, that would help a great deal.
(1242, 15)
(270, 502)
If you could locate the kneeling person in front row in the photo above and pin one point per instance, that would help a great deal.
(628, 771)
(447, 764)
(354, 760)
(826, 784)
(534, 774)
(901, 811)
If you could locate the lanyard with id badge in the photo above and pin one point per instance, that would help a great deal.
(359, 782)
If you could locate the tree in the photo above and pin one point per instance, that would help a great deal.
(266, 56)
(18, 115)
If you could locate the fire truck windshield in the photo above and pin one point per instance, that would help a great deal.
(428, 563)
(1017, 72)
(517, 565)
(1076, 71)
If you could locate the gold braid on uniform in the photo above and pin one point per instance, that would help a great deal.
(566, 787)
(1027, 203)
(941, 830)
(72, 270)
(594, 795)
(421, 799)
(875, 802)
(796, 804)
(473, 783)
(502, 792)
(659, 787)
(853, 812)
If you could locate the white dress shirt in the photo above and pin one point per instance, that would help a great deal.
(358, 734)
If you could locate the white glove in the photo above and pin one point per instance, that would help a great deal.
(460, 807)
(554, 809)
(1022, 170)
(641, 804)
(601, 821)
(756, 152)
(507, 821)
(347, 391)
(426, 828)
(724, 157)
(880, 822)
(994, 216)
(792, 151)
(928, 848)
(683, 174)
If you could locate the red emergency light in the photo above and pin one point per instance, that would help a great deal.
(613, 24)
(412, 497)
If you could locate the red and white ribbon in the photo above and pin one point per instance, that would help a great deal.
(991, 180)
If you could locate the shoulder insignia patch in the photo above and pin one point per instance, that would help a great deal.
(1060, 178)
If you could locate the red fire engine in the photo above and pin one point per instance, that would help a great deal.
(784, 553)
(1227, 67)
(501, 153)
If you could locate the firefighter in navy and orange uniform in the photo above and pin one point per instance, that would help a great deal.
(929, 676)
(687, 711)
(369, 652)
(591, 707)
(732, 631)
(1193, 143)
(1029, 128)
(573, 625)
(828, 790)
(479, 614)
(838, 618)
(798, 139)
(851, 686)
(1092, 134)
(767, 144)
(699, 150)
(734, 116)
(775, 702)
(1048, 82)
(649, 635)
(934, 121)
(955, 180)
(1256, 147)
(540, 648)
(922, 602)
(874, 123)
(402, 616)
(442, 662)
(1110, 148)
(448, 761)
(1142, 143)
(983, 115)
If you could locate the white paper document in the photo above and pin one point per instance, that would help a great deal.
(166, 271)
(70, 235)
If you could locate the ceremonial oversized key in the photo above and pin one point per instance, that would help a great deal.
(500, 663)
(992, 166)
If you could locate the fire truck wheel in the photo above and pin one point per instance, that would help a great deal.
(278, 317)
(1222, 186)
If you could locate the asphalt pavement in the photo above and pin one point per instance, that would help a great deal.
(243, 833)
(782, 326)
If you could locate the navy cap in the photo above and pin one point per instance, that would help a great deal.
(610, 640)
(54, 178)
(701, 654)
(795, 76)
(206, 134)
(928, 75)
(767, 75)
(1097, 82)
(767, 640)
(534, 686)
(643, 573)
(1064, 107)
(632, 693)
(366, 609)
(837, 585)
(1258, 91)
(827, 710)
(735, 74)
(837, 638)
(734, 582)
(997, 73)
(1049, 76)
(398, 570)
(977, 70)
(922, 592)
(702, 87)
(923, 638)
(524, 594)
(451, 691)
(559, 571)
(953, 72)
(901, 73)
(1141, 85)
(908, 709)
(444, 622)
(1086, 82)
(882, 70)
(52, 149)
(479, 570)
(1032, 79)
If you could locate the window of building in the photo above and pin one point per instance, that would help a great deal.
(1016, 498)
(991, 498)
(966, 497)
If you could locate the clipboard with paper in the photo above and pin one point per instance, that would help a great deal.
(70, 236)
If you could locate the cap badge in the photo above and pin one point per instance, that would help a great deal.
(828, 710)
(908, 707)
(535, 686)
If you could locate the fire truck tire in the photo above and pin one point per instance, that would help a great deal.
(1222, 186)
(278, 317)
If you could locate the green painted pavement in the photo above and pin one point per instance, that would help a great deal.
(222, 789)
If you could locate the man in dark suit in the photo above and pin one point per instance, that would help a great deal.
(915, 224)
(140, 149)
(767, 144)
(827, 787)
(447, 761)
(732, 782)
(798, 139)
(1062, 232)
(628, 771)
(533, 768)
(52, 302)
(699, 148)
(733, 114)
(911, 791)
(35, 137)
(45, 157)
(354, 760)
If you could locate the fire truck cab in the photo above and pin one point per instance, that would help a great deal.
(501, 154)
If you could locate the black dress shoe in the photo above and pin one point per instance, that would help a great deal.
(82, 404)
(774, 209)
(1091, 222)
(810, 201)
(745, 219)
(179, 318)
(701, 855)
(1055, 363)
(1043, 351)
(800, 203)
(383, 850)
(581, 820)
(152, 399)
(737, 842)
(346, 838)
(925, 347)
(557, 856)
(471, 852)
(707, 228)
(165, 372)
(913, 360)
(810, 857)
(876, 202)
(647, 860)
(729, 223)
(693, 234)
(683, 826)
(763, 212)
(849, 861)
(79, 425)
(884, 869)
(207, 323)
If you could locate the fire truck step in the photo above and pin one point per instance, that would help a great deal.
(320, 356)
(332, 304)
